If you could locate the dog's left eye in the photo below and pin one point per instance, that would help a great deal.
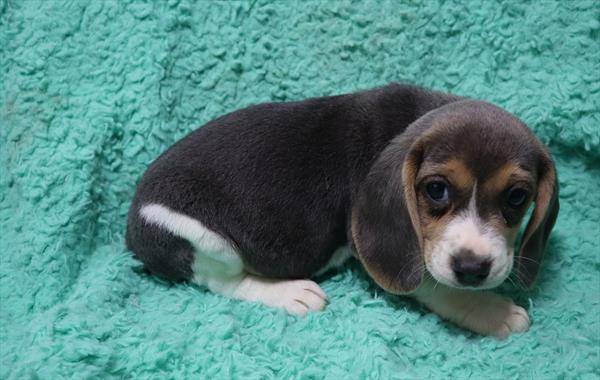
(437, 190)
(516, 197)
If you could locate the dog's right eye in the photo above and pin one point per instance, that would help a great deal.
(517, 197)
(437, 191)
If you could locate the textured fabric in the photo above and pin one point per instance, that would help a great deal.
(92, 92)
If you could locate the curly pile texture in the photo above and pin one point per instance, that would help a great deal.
(92, 92)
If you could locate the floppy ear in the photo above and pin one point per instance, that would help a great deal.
(385, 224)
(541, 223)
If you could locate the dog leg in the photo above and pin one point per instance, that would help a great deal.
(220, 268)
(225, 277)
(483, 312)
(222, 272)
(297, 297)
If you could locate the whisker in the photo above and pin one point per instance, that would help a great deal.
(409, 262)
(518, 273)
(515, 283)
(530, 259)
(419, 268)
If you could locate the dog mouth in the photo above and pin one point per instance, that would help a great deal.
(446, 276)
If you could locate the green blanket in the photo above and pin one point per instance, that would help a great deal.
(92, 92)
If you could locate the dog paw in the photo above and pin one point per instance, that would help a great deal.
(297, 297)
(496, 316)
(300, 297)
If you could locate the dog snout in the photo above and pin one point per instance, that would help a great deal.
(470, 269)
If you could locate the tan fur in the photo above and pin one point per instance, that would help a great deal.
(542, 202)
(455, 170)
(497, 183)
(410, 169)
(432, 228)
(509, 233)
(507, 174)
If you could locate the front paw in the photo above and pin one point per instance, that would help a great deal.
(490, 314)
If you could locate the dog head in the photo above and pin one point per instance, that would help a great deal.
(449, 195)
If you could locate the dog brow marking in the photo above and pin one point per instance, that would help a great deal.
(454, 169)
(501, 177)
(459, 173)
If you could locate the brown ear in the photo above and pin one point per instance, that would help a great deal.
(385, 227)
(541, 223)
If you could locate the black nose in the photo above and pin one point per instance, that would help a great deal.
(469, 269)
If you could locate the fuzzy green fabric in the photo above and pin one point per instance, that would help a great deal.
(92, 92)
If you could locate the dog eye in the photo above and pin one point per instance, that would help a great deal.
(437, 190)
(516, 197)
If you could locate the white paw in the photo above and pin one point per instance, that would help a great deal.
(300, 297)
(297, 297)
(493, 315)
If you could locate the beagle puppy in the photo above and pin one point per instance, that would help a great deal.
(427, 189)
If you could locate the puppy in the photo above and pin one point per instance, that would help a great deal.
(427, 189)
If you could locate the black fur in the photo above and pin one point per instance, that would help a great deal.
(276, 180)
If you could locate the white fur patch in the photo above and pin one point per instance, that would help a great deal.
(468, 231)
